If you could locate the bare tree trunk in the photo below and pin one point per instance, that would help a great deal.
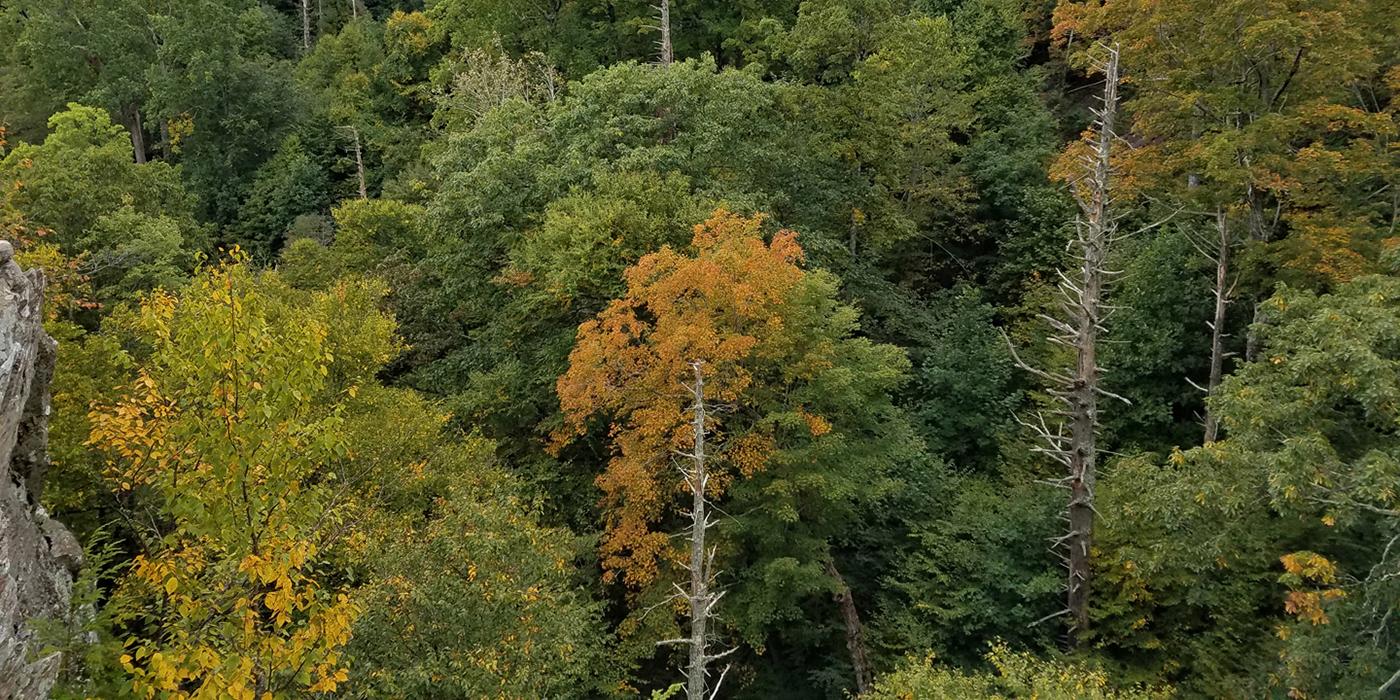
(359, 163)
(855, 632)
(1082, 301)
(701, 598)
(1224, 289)
(306, 25)
(699, 587)
(1097, 231)
(137, 131)
(666, 56)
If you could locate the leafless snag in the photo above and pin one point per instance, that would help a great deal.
(702, 596)
(1219, 249)
(1078, 328)
(305, 25)
(354, 133)
(664, 55)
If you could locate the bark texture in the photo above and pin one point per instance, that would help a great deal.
(38, 556)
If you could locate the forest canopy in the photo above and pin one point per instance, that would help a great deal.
(689, 348)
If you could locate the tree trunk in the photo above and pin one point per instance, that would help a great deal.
(855, 632)
(666, 54)
(137, 131)
(306, 25)
(1223, 290)
(359, 163)
(699, 598)
(1082, 397)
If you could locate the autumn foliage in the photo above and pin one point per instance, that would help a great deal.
(223, 447)
(724, 307)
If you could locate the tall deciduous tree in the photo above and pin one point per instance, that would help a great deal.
(1277, 114)
(808, 431)
(222, 450)
(95, 52)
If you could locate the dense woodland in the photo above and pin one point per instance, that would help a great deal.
(808, 348)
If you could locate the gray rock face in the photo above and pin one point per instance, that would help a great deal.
(38, 556)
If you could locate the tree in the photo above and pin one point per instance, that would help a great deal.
(1313, 416)
(93, 52)
(125, 227)
(1079, 390)
(372, 237)
(1270, 115)
(221, 136)
(83, 171)
(291, 183)
(541, 206)
(223, 451)
(467, 596)
(809, 434)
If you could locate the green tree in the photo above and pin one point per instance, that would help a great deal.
(221, 135)
(96, 53)
(225, 446)
(83, 171)
(1314, 418)
(290, 184)
(1278, 112)
(470, 596)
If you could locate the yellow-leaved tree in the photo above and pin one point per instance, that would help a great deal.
(223, 451)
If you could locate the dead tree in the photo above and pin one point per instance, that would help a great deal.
(354, 133)
(306, 25)
(665, 56)
(702, 596)
(1219, 250)
(855, 632)
(1079, 327)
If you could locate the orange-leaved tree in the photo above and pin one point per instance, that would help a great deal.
(797, 406)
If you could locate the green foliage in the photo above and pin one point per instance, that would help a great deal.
(95, 52)
(83, 171)
(1015, 675)
(583, 35)
(471, 597)
(90, 368)
(977, 569)
(86, 638)
(133, 253)
(1160, 338)
(290, 184)
(1316, 412)
(1188, 574)
(219, 134)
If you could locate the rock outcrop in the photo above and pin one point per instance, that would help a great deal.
(38, 556)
